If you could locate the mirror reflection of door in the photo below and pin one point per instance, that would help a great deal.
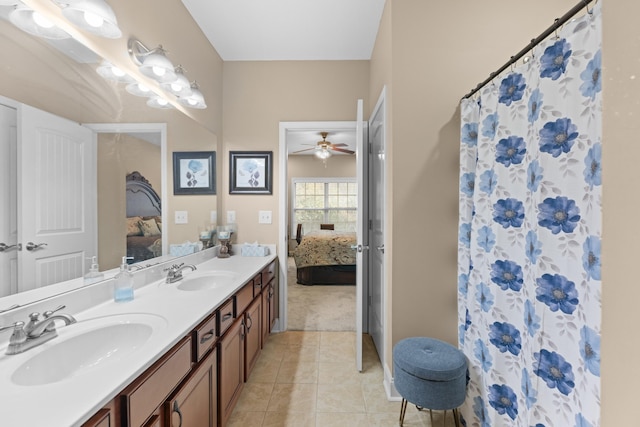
(8, 197)
(120, 154)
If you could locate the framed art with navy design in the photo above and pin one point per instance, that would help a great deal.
(194, 172)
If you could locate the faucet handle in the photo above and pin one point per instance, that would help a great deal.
(19, 335)
(48, 313)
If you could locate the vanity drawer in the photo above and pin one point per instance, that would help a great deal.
(148, 392)
(244, 297)
(268, 273)
(225, 316)
(204, 336)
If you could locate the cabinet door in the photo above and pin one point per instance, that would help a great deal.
(194, 403)
(265, 315)
(231, 369)
(103, 418)
(252, 346)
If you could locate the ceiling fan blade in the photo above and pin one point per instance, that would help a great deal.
(302, 151)
(340, 145)
(342, 150)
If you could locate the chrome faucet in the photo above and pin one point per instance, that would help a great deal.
(175, 272)
(35, 332)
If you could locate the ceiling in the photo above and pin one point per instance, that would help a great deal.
(296, 30)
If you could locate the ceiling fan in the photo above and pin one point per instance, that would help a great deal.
(324, 148)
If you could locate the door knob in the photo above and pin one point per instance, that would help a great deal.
(33, 246)
(6, 248)
(360, 248)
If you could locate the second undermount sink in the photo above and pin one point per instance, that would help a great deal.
(207, 280)
(87, 345)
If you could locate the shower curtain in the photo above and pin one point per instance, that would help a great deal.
(529, 286)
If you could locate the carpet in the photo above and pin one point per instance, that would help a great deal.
(320, 307)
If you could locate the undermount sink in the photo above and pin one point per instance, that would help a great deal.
(207, 280)
(87, 345)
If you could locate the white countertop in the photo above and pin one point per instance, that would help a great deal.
(72, 401)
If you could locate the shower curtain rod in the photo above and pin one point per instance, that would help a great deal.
(556, 24)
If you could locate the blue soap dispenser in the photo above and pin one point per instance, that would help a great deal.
(123, 282)
(94, 275)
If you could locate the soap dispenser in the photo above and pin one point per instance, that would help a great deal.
(94, 275)
(123, 282)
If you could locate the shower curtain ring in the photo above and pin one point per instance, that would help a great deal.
(555, 30)
(586, 6)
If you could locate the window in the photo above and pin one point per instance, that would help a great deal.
(318, 201)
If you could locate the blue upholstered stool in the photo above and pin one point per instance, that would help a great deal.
(430, 374)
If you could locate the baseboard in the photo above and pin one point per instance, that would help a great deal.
(389, 388)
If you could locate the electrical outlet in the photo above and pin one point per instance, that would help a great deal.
(231, 217)
(182, 217)
(264, 217)
(213, 219)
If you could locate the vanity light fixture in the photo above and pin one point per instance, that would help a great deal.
(152, 62)
(180, 86)
(159, 102)
(139, 89)
(35, 23)
(111, 72)
(195, 100)
(95, 16)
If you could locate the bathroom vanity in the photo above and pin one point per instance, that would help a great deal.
(177, 355)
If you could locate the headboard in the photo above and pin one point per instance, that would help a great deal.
(142, 200)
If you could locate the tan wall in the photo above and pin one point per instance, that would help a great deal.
(119, 155)
(621, 200)
(257, 97)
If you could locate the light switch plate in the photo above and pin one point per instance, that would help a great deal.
(231, 217)
(182, 217)
(264, 217)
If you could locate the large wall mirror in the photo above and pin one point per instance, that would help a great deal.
(58, 79)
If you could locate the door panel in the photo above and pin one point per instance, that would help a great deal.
(8, 197)
(376, 233)
(362, 151)
(56, 187)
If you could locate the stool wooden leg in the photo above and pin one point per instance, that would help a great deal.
(403, 410)
(456, 417)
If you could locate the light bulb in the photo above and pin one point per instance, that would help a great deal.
(41, 20)
(117, 71)
(162, 101)
(142, 88)
(176, 87)
(93, 19)
(192, 101)
(159, 71)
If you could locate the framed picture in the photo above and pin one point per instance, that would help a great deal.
(250, 172)
(194, 172)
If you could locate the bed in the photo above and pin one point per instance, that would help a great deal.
(325, 257)
(144, 223)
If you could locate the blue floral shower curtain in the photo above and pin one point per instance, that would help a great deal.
(529, 287)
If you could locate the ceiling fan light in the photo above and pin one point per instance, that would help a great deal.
(35, 23)
(323, 154)
(95, 16)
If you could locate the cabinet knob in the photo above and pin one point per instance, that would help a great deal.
(176, 409)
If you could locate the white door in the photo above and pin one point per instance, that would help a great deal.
(8, 198)
(56, 191)
(376, 220)
(362, 154)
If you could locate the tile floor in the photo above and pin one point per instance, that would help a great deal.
(308, 379)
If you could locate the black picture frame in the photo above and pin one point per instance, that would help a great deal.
(250, 172)
(194, 172)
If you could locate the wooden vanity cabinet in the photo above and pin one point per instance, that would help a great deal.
(230, 369)
(195, 402)
(105, 417)
(253, 339)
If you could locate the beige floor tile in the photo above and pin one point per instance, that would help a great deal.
(301, 337)
(375, 399)
(341, 351)
(340, 398)
(298, 372)
(293, 398)
(273, 351)
(265, 371)
(246, 419)
(301, 353)
(338, 373)
(388, 419)
(331, 339)
(341, 419)
(290, 419)
(254, 397)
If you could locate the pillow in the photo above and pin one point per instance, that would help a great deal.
(149, 227)
(133, 228)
